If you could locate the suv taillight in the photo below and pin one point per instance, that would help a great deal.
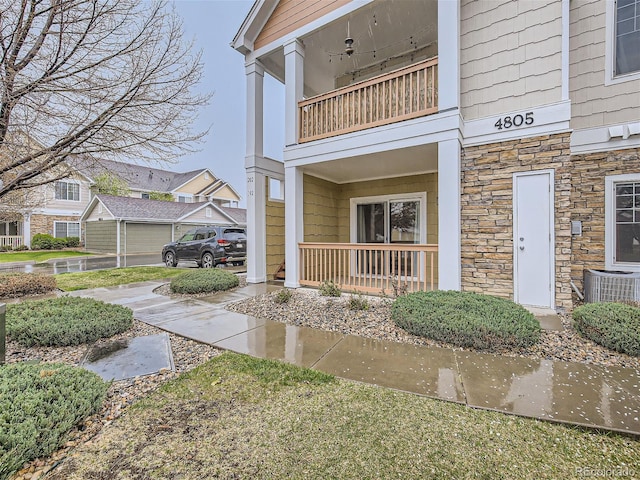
(223, 242)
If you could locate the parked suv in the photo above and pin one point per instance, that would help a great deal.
(208, 247)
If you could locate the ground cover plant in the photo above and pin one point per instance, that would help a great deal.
(329, 288)
(65, 321)
(466, 319)
(240, 417)
(112, 277)
(206, 280)
(612, 325)
(39, 256)
(19, 284)
(39, 404)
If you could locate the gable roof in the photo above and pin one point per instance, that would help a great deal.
(252, 25)
(239, 215)
(128, 208)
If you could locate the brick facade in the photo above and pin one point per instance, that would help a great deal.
(487, 211)
(44, 223)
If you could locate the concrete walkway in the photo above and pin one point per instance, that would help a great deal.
(575, 393)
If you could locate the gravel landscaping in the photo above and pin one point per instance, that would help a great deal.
(308, 308)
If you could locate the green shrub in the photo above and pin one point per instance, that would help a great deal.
(39, 404)
(205, 280)
(19, 284)
(72, 241)
(63, 321)
(283, 295)
(58, 244)
(329, 289)
(612, 325)
(21, 248)
(466, 319)
(5, 248)
(358, 302)
(42, 241)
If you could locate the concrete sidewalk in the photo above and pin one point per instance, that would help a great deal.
(575, 393)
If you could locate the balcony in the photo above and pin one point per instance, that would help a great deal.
(403, 94)
(377, 268)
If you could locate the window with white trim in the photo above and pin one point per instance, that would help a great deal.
(627, 37)
(66, 229)
(208, 212)
(276, 189)
(622, 220)
(146, 196)
(67, 191)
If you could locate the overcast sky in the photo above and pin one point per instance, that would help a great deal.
(212, 24)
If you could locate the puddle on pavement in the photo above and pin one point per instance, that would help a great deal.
(129, 358)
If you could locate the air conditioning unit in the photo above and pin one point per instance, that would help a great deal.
(611, 286)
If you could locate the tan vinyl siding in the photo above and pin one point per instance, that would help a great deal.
(96, 214)
(69, 205)
(194, 186)
(290, 15)
(201, 217)
(510, 55)
(227, 194)
(100, 236)
(320, 207)
(275, 234)
(594, 104)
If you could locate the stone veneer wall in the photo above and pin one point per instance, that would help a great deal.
(487, 211)
(587, 204)
(44, 223)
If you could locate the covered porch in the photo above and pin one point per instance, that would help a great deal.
(11, 235)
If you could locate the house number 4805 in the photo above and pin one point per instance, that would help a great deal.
(514, 121)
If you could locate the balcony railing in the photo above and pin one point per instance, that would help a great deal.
(12, 241)
(404, 94)
(369, 267)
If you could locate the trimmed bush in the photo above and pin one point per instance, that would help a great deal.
(206, 280)
(42, 241)
(39, 405)
(19, 284)
(466, 319)
(72, 241)
(329, 289)
(63, 321)
(612, 325)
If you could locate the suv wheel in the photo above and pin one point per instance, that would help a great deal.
(170, 259)
(207, 260)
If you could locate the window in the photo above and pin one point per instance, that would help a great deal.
(145, 196)
(627, 37)
(207, 212)
(67, 191)
(66, 229)
(276, 189)
(182, 199)
(622, 233)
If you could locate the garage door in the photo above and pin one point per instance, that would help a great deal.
(146, 237)
(100, 236)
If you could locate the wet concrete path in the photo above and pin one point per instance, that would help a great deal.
(588, 395)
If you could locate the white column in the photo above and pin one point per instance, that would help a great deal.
(256, 200)
(449, 270)
(26, 229)
(449, 54)
(293, 90)
(256, 226)
(293, 222)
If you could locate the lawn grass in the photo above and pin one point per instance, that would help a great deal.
(39, 255)
(239, 417)
(113, 276)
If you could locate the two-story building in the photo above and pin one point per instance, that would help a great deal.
(487, 146)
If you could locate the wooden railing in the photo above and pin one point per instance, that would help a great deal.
(380, 268)
(11, 240)
(406, 93)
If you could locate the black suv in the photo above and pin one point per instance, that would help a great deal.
(208, 247)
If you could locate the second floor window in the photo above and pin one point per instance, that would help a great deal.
(145, 196)
(627, 36)
(67, 191)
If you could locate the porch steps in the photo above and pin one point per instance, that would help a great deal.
(279, 275)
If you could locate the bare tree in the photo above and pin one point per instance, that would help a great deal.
(86, 79)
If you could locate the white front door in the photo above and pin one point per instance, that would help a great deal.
(534, 277)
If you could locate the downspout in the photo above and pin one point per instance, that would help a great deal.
(117, 242)
(125, 243)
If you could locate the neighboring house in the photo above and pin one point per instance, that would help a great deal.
(126, 225)
(488, 146)
(65, 200)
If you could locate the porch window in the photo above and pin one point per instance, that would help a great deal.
(67, 191)
(622, 222)
(66, 229)
(390, 219)
(627, 53)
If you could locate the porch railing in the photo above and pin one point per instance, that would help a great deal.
(11, 240)
(369, 267)
(404, 94)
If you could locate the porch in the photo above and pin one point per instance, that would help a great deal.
(383, 269)
(11, 241)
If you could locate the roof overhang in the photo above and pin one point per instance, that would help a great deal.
(252, 25)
